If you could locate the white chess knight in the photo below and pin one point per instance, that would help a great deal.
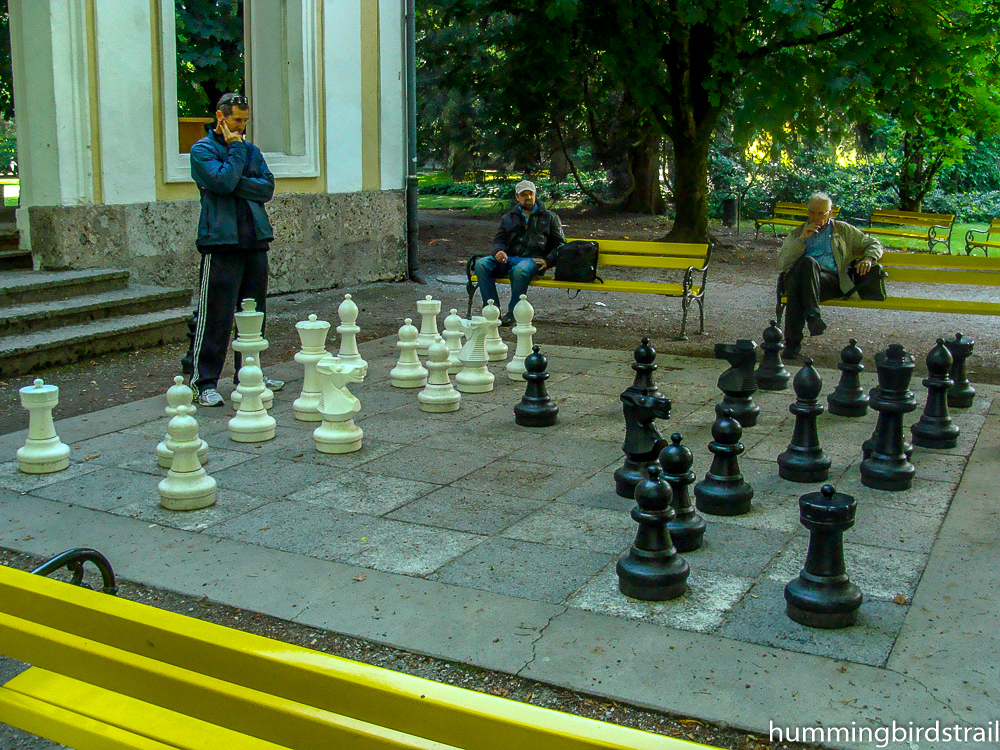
(187, 486)
(312, 333)
(338, 433)
(523, 313)
(496, 349)
(438, 396)
(178, 395)
(43, 452)
(428, 307)
(348, 330)
(453, 337)
(475, 376)
(408, 372)
(252, 423)
(250, 343)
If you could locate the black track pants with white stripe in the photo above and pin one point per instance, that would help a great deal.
(226, 279)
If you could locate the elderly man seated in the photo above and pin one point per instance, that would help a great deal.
(815, 259)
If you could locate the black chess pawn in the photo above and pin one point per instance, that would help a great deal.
(642, 403)
(536, 409)
(823, 596)
(772, 375)
(935, 429)
(887, 466)
(961, 394)
(652, 570)
(723, 492)
(849, 398)
(738, 383)
(804, 460)
(687, 529)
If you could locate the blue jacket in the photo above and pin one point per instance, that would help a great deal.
(223, 174)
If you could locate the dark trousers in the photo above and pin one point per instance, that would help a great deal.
(807, 284)
(227, 278)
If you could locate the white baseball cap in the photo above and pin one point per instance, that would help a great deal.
(524, 185)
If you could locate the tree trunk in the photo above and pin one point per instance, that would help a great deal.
(691, 184)
(646, 196)
(909, 175)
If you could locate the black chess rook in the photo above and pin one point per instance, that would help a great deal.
(642, 404)
(887, 466)
(536, 408)
(738, 383)
(772, 375)
(849, 398)
(935, 428)
(687, 528)
(723, 492)
(804, 460)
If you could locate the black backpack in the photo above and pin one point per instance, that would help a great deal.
(577, 261)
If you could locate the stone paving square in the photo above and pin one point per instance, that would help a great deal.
(464, 509)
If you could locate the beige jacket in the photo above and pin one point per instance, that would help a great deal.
(847, 242)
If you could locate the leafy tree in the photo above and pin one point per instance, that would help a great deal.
(209, 53)
(6, 67)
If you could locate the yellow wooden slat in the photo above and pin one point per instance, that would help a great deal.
(921, 304)
(939, 260)
(778, 222)
(646, 261)
(912, 218)
(901, 233)
(943, 276)
(982, 243)
(678, 249)
(613, 285)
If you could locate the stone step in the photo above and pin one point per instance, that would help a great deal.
(21, 354)
(24, 287)
(19, 320)
(14, 259)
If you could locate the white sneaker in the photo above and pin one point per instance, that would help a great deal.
(210, 397)
(274, 385)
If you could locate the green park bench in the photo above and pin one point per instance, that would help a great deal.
(934, 229)
(985, 244)
(786, 215)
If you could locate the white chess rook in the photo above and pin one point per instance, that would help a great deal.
(312, 333)
(453, 337)
(250, 343)
(187, 485)
(496, 349)
(439, 396)
(178, 395)
(523, 314)
(43, 452)
(408, 372)
(475, 376)
(252, 423)
(348, 330)
(338, 433)
(428, 307)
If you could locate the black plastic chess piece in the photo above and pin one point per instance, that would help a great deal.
(935, 429)
(961, 394)
(723, 492)
(804, 460)
(849, 398)
(687, 529)
(536, 409)
(738, 383)
(642, 403)
(652, 570)
(772, 375)
(887, 467)
(823, 596)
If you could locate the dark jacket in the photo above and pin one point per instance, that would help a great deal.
(224, 174)
(538, 237)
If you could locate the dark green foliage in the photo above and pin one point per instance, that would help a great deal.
(209, 54)
(6, 68)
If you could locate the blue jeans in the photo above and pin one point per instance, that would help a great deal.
(519, 270)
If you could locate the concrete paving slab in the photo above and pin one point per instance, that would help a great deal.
(740, 552)
(435, 466)
(924, 496)
(269, 476)
(228, 505)
(306, 452)
(575, 527)
(102, 490)
(358, 492)
(464, 509)
(520, 478)
(12, 478)
(598, 492)
(576, 452)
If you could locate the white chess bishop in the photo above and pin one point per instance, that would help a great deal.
(496, 349)
(428, 307)
(348, 330)
(250, 343)
(475, 376)
(252, 423)
(178, 395)
(439, 396)
(453, 337)
(43, 452)
(338, 433)
(312, 333)
(523, 313)
(408, 372)
(187, 486)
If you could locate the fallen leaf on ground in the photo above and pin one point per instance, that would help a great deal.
(900, 599)
(359, 577)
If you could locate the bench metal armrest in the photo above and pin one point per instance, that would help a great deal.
(73, 560)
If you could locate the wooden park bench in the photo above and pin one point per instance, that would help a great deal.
(934, 229)
(985, 244)
(111, 674)
(786, 215)
(691, 259)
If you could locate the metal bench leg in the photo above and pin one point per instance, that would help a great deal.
(685, 302)
(701, 315)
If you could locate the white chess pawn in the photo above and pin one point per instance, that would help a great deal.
(475, 376)
(453, 337)
(250, 343)
(348, 330)
(439, 395)
(187, 486)
(252, 423)
(43, 452)
(428, 307)
(496, 349)
(313, 334)
(523, 313)
(408, 372)
(178, 395)
(338, 433)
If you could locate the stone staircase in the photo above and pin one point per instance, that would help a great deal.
(11, 257)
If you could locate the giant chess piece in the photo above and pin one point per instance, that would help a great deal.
(887, 467)
(312, 334)
(475, 375)
(738, 383)
(178, 395)
(439, 395)
(772, 375)
(428, 307)
(804, 460)
(536, 408)
(408, 372)
(453, 337)
(187, 486)
(250, 343)
(642, 403)
(652, 570)
(43, 452)
(338, 433)
(349, 330)
(687, 528)
(252, 423)
(823, 596)
(935, 429)
(849, 398)
(723, 492)
(960, 395)
(496, 349)
(523, 313)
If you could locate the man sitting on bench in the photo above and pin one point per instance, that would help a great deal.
(524, 246)
(815, 259)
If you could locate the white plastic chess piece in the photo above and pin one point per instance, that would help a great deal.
(312, 333)
(496, 349)
(475, 376)
(523, 313)
(439, 396)
(348, 330)
(408, 372)
(250, 343)
(178, 395)
(453, 337)
(187, 486)
(428, 307)
(338, 433)
(43, 452)
(252, 423)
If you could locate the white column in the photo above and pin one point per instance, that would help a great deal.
(342, 75)
(393, 86)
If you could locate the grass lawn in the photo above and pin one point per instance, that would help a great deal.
(11, 189)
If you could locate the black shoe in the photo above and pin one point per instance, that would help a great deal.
(507, 320)
(816, 324)
(792, 351)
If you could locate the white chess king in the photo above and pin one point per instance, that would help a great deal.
(312, 334)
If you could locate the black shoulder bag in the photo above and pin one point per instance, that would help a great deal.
(577, 262)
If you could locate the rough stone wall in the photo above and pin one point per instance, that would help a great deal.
(321, 240)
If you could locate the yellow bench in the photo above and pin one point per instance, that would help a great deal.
(985, 243)
(110, 674)
(690, 258)
(786, 215)
(911, 225)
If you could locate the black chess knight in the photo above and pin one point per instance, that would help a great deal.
(738, 383)
(642, 403)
